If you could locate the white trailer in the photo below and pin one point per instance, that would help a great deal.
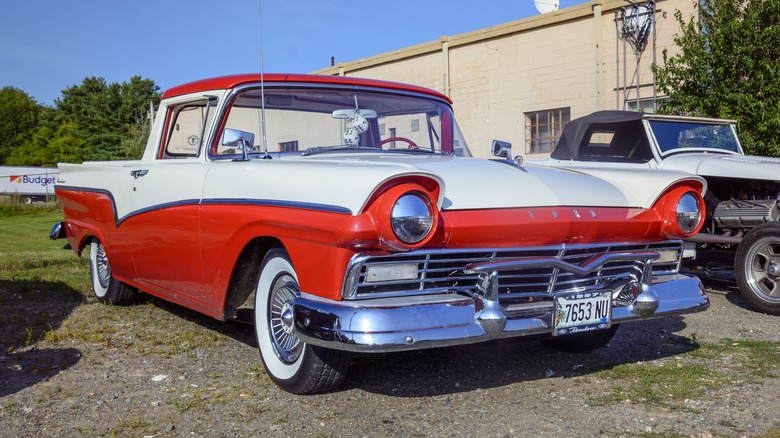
(30, 184)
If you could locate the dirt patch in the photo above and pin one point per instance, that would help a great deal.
(154, 369)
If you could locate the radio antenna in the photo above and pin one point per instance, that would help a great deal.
(266, 155)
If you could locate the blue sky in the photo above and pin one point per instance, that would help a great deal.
(47, 45)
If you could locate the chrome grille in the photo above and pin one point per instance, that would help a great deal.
(441, 270)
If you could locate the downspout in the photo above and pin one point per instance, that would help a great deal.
(599, 61)
(445, 56)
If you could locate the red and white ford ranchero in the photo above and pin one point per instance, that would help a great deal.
(349, 215)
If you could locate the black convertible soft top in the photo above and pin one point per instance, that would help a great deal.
(627, 137)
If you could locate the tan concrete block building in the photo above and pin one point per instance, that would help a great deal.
(522, 81)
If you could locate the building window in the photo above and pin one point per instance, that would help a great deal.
(288, 146)
(646, 105)
(415, 125)
(543, 129)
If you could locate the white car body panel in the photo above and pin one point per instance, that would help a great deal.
(323, 183)
(725, 165)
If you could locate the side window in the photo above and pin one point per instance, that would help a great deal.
(185, 126)
(621, 142)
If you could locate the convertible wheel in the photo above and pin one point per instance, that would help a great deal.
(107, 288)
(757, 268)
(581, 342)
(294, 365)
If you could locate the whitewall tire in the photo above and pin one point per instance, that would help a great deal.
(107, 289)
(295, 366)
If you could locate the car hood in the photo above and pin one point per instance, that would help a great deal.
(347, 181)
(725, 165)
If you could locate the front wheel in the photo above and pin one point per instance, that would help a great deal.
(107, 288)
(582, 342)
(757, 268)
(295, 366)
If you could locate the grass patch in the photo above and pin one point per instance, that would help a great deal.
(13, 206)
(133, 427)
(46, 297)
(708, 368)
(774, 432)
(660, 385)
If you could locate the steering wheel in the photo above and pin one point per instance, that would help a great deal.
(412, 145)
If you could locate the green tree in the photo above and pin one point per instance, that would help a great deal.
(104, 113)
(134, 141)
(18, 118)
(729, 67)
(49, 144)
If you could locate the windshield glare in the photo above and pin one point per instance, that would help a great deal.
(303, 119)
(686, 135)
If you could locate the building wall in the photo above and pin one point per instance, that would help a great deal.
(571, 58)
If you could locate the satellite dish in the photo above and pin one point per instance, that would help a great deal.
(544, 6)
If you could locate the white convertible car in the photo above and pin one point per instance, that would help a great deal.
(347, 215)
(742, 229)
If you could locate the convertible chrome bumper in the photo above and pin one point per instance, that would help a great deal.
(461, 317)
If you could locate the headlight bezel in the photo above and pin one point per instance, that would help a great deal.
(679, 218)
(389, 215)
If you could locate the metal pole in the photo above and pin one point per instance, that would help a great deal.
(625, 73)
(262, 83)
(636, 75)
(655, 85)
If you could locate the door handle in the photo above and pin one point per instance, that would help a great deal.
(138, 173)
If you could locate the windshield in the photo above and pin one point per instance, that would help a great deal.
(686, 135)
(320, 120)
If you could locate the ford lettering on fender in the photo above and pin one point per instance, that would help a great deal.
(348, 215)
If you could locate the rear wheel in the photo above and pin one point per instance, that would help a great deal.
(107, 289)
(294, 365)
(582, 342)
(757, 268)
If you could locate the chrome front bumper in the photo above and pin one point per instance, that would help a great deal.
(459, 317)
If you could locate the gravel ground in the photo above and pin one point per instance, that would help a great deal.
(501, 388)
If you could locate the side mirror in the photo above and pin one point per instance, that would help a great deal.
(237, 139)
(502, 149)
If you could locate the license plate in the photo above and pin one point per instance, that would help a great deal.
(580, 312)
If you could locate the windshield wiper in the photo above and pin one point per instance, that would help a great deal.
(324, 149)
(321, 149)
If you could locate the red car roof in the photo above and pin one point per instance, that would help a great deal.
(224, 82)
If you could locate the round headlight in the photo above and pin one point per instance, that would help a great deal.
(411, 218)
(688, 213)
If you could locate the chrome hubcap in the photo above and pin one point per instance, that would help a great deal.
(281, 321)
(763, 268)
(102, 266)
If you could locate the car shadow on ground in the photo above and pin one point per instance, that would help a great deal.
(27, 368)
(723, 281)
(450, 370)
(241, 330)
(503, 362)
(30, 310)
